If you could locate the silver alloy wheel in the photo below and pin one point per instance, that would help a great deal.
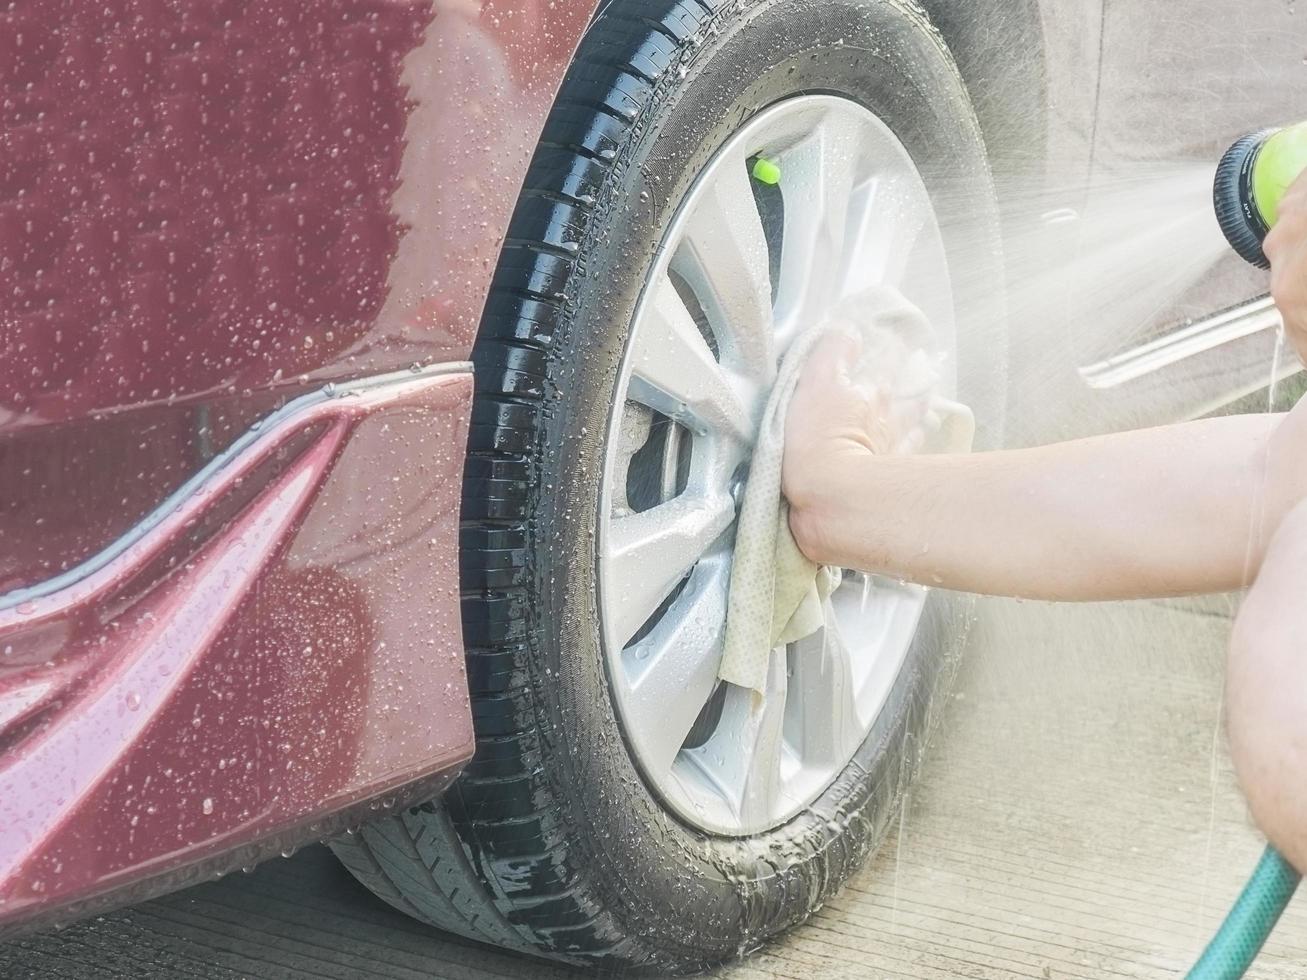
(715, 316)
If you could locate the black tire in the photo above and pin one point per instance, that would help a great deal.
(550, 840)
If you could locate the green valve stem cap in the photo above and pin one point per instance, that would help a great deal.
(765, 171)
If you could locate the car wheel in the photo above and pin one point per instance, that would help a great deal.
(713, 178)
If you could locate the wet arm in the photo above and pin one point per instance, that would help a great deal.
(1165, 511)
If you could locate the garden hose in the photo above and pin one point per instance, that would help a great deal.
(1243, 933)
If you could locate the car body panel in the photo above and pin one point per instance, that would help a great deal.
(1131, 93)
(266, 653)
(1190, 333)
(1180, 90)
(210, 212)
(210, 207)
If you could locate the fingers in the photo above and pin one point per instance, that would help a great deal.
(870, 389)
(834, 358)
(1286, 248)
(1288, 231)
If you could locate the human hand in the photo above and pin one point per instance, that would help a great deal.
(1286, 247)
(853, 401)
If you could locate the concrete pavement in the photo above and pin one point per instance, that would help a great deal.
(1076, 817)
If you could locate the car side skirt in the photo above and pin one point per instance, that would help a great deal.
(271, 655)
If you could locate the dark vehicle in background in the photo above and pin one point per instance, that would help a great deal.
(377, 380)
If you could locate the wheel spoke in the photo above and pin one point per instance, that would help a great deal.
(824, 723)
(763, 743)
(648, 553)
(741, 762)
(886, 218)
(818, 185)
(729, 269)
(673, 670)
(633, 432)
(674, 370)
(883, 614)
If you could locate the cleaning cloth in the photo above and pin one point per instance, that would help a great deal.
(778, 596)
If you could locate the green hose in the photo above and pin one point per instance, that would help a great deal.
(1243, 933)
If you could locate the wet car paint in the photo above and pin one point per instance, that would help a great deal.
(244, 666)
(207, 210)
(204, 206)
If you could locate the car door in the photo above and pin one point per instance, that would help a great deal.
(1176, 87)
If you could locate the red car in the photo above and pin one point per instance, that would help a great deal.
(377, 382)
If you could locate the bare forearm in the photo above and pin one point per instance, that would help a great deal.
(1166, 511)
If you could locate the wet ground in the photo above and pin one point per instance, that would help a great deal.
(1076, 817)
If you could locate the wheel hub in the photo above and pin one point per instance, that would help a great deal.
(741, 270)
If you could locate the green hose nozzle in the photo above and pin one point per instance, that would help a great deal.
(1250, 183)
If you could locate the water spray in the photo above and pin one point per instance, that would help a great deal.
(1251, 181)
